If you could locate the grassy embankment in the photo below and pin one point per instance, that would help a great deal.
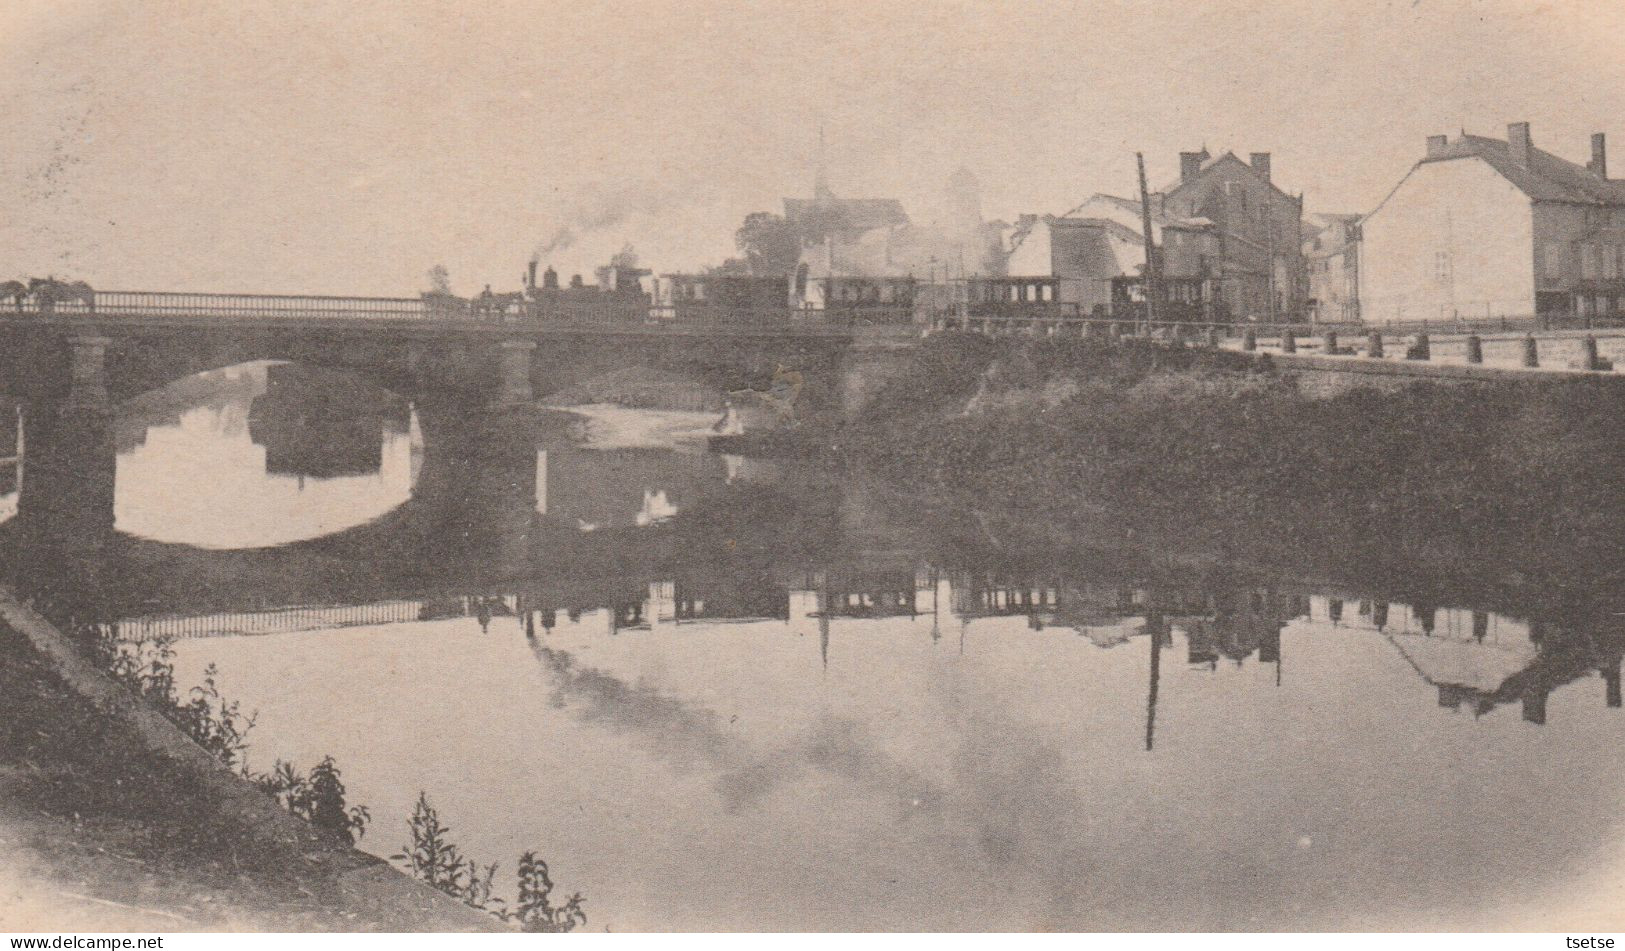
(101, 831)
(1205, 450)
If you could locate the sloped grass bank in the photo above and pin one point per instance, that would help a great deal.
(1527, 479)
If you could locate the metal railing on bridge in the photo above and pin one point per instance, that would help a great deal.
(1526, 344)
(1059, 321)
(502, 309)
(183, 304)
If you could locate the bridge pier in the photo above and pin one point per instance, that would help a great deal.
(65, 503)
(87, 373)
(1531, 351)
(1373, 345)
(1589, 359)
(1475, 349)
(515, 368)
(478, 484)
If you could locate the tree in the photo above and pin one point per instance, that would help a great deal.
(439, 280)
(732, 267)
(772, 245)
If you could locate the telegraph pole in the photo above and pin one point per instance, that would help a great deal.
(1269, 223)
(1152, 280)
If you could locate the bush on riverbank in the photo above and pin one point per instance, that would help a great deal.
(91, 810)
(147, 669)
(432, 858)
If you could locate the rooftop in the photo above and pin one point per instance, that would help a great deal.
(1546, 178)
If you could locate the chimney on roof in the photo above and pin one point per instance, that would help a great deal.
(1599, 155)
(1436, 144)
(1190, 163)
(1261, 164)
(1518, 143)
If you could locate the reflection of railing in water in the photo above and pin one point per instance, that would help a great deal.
(313, 617)
(276, 621)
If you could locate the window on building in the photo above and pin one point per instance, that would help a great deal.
(1610, 263)
(1554, 259)
(1588, 262)
(1441, 265)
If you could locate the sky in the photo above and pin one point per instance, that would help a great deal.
(348, 146)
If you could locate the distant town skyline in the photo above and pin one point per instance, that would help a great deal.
(349, 147)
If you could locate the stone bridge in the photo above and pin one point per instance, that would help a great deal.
(122, 343)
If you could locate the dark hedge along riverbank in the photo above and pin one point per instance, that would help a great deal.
(1522, 482)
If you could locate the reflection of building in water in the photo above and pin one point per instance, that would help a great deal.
(993, 596)
(864, 594)
(1107, 614)
(715, 598)
(879, 593)
(323, 425)
(1089, 601)
(728, 597)
(1238, 625)
(1479, 660)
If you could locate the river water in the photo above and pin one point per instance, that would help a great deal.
(716, 692)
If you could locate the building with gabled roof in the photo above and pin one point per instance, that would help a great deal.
(1227, 236)
(1065, 259)
(1234, 226)
(1331, 260)
(1483, 227)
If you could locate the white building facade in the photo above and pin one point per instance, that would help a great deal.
(1484, 228)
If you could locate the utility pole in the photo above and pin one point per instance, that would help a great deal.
(1152, 281)
(1269, 225)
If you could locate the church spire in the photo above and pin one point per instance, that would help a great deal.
(821, 190)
